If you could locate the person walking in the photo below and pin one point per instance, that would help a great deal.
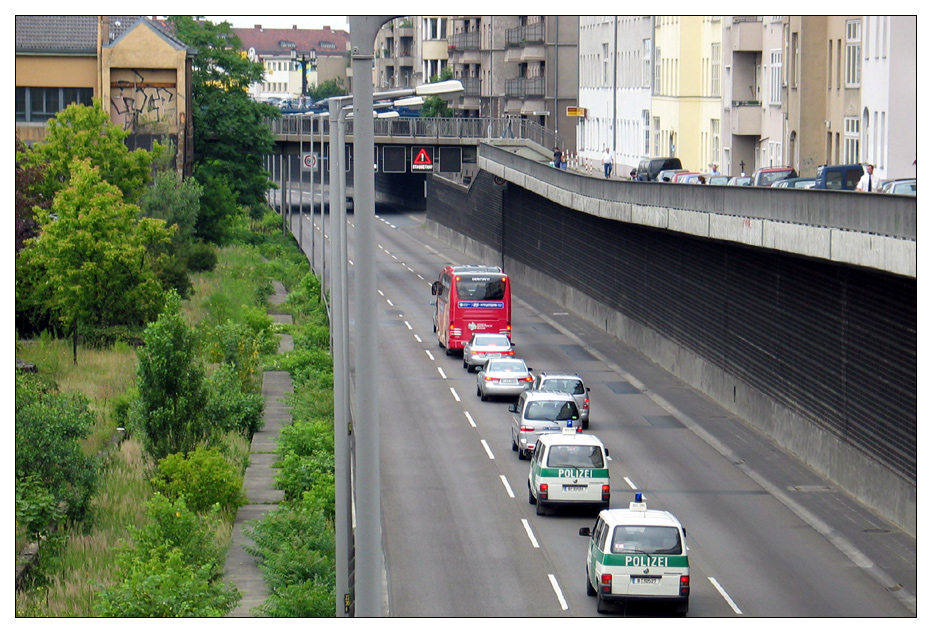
(867, 183)
(607, 163)
(715, 171)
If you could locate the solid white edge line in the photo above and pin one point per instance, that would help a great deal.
(725, 595)
(455, 395)
(530, 533)
(472, 422)
(507, 487)
(556, 590)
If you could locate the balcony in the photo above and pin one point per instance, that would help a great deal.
(524, 87)
(747, 33)
(523, 35)
(746, 118)
(465, 41)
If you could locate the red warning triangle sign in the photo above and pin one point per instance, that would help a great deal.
(422, 158)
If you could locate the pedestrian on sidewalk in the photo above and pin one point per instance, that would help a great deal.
(607, 163)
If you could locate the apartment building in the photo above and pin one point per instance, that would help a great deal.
(139, 71)
(295, 59)
(615, 71)
(686, 98)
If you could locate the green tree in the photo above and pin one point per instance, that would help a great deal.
(95, 255)
(330, 88)
(231, 132)
(51, 467)
(435, 106)
(177, 202)
(172, 396)
(86, 132)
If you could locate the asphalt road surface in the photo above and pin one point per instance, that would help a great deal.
(767, 536)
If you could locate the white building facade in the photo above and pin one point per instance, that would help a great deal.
(615, 61)
(888, 95)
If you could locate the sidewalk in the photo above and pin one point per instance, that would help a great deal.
(242, 569)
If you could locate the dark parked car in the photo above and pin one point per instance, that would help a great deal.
(650, 167)
(840, 177)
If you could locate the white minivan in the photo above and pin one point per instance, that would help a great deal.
(569, 469)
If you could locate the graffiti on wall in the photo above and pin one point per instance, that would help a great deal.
(144, 106)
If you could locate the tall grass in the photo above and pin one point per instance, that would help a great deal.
(86, 561)
(101, 375)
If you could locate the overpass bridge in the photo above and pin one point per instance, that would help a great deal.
(794, 309)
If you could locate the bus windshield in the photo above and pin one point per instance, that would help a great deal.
(482, 289)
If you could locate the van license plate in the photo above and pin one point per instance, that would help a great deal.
(567, 488)
(645, 580)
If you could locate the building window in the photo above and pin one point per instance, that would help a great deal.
(605, 62)
(656, 129)
(852, 139)
(716, 141)
(645, 121)
(776, 77)
(41, 104)
(852, 53)
(435, 28)
(716, 85)
(657, 87)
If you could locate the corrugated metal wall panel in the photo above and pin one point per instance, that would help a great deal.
(833, 343)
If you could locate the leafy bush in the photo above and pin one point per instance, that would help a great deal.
(163, 587)
(230, 406)
(173, 569)
(49, 428)
(201, 257)
(203, 478)
(296, 543)
(37, 509)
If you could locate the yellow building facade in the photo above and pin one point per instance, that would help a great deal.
(686, 103)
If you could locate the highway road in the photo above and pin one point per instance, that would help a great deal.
(767, 536)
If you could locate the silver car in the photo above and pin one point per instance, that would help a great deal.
(567, 383)
(537, 413)
(508, 377)
(482, 347)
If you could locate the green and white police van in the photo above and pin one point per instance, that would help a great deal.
(636, 554)
(568, 468)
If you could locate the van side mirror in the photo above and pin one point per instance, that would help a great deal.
(606, 452)
(434, 287)
(585, 531)
(513, 407)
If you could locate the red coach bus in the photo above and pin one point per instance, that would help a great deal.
(470, 299)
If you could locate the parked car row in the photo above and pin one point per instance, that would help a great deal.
(836, 177)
